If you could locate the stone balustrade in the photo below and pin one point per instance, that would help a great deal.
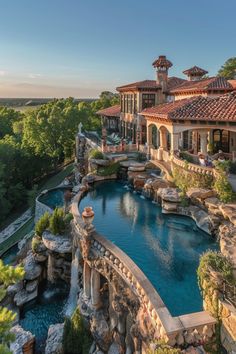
(192, 167)
(153, 319)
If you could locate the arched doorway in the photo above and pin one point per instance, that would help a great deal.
(153, 136)
(221, 140)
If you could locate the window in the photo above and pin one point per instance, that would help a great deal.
(135, 103)
(148, 100)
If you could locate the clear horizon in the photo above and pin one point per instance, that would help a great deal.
(80, 48)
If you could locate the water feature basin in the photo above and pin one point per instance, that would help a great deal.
(165, 247)
(49, 308)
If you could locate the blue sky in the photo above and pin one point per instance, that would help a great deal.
(59, 48)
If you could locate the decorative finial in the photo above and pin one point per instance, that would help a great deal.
(88, 215)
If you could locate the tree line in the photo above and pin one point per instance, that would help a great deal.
(34, 143)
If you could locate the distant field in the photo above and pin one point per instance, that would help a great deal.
(23, 104)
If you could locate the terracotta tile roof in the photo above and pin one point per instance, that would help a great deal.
(162, 62)
(174, 82)
(209, 84)
(152, 84)
(233, 83)
(195, 70)
(221, 108)
(113, 111)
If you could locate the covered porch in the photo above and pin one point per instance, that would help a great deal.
(202, 127)
(164, 140)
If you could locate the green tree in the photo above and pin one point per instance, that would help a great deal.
(8, 275)
(76, 337)
(57, 223)
(42, 224)
(8, 117)
(228, 70)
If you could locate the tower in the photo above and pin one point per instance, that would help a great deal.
(195, 73)
(162, 66)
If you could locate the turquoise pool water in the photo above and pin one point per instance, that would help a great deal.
(53, 198)
(165, 247)
(49, 309)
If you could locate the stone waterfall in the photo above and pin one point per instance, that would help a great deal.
(74, 285)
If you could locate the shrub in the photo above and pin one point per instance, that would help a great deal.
(217, 262)
(185, 179)
(68, 217)
(163, 348)
(185, 156)
(42, 224)
(210, 285)
(57, 223)
(96, 154)
(109, 170)
(76, 337)
(222, 166)
(35, 243)
(223, 187)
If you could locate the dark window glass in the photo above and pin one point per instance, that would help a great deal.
(148, 100)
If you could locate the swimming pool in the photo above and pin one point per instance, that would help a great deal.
(53, 198)
(165, 247)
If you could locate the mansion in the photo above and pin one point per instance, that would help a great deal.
(197, 114)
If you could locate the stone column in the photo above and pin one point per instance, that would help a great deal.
(126, 128)
(163, 139)
(95, 288)
(174, 142)
(194, 141)
(86, 280)
(149, 136)
(158, 138)
(203, 142)
(210, 141)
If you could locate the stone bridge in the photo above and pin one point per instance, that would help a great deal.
(122, 305)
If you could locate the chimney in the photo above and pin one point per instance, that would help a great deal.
(162, 66)
(195, 73)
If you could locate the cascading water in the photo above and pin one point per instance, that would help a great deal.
(50, 275)
(74, 285)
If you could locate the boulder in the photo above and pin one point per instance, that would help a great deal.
(24, 341)
(100, 330)
(139, 183)
(22, 297)
(57, 243)
(200, 217)
(169, 195)
(200, 193)
(132, 175)
(54, 339)
(99, 162)
(227, 235)
(138, 167)
(159, 183)
(40, 257)
(32, 268)
(170, 207)
(118, 158)
(31, 286)
(13, 289)
(229, 212)
(114, 349)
